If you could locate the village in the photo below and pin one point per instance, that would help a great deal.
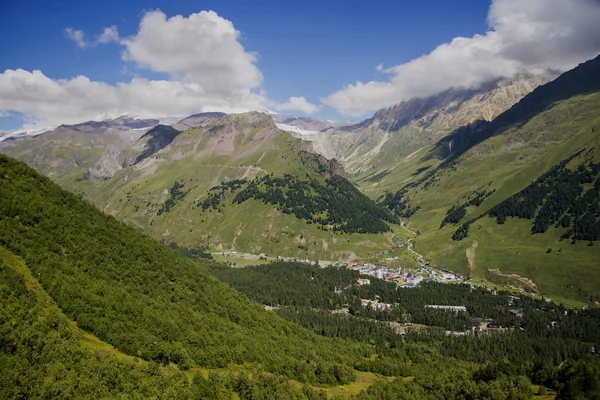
(402, 276)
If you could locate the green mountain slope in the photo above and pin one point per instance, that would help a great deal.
(139, 296)
(163, 194)
(157, 180)
(485, 164)
(45, 355)
(68, 270)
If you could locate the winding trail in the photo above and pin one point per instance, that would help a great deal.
(411, 242)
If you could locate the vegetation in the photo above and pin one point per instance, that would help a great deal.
(505, 164)
(176, 194)
(165, 315)
(457, 213)
(559, 197)
(398, 204)
(541, 340)
(140, 296)
(335, 205)
(562, 197)
(44, 355)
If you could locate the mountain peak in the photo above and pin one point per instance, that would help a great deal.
(252, 118)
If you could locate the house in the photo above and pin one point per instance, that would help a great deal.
(449, 308)
(517, 312)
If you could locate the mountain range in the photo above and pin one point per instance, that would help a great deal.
(420, 160)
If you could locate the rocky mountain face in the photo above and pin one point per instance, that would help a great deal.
(94, 149)
(398, 131)
(195, 120)
(123, 123)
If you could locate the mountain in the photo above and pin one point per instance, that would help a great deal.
(382, 142)
(82, 286)
(109, 126)
(4, 136)
(196, 120)
(158, 138)
(534, 170)
(187, 193)
(184, 186)
(95, 149)
(239, 183)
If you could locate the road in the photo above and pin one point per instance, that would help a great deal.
(410, 241)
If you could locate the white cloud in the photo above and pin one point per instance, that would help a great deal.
(298, 104)
(202, 48)
(110, 34)
(76, 36)
(532, 36)
(209, 71)
(48, 102)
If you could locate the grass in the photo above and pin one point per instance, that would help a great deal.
(135, 193)
(550, 394)
(364, 380)
(239, 261)
(508, 163)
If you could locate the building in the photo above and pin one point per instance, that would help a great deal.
(449, 308)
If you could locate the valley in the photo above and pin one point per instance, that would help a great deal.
(238, 183)
(266, 200)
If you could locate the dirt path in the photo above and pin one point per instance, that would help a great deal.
(410, 241)
(470, 252)
(245, 167)
(525, 281)
(405, 227)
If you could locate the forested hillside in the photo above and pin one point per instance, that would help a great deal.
(165, 315)
(44, 355)
(334, 205)
(140, 296)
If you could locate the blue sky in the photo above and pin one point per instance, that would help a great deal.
(309, 49)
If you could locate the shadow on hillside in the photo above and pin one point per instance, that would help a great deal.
(584, 79)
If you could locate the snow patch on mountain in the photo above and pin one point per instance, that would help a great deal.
(296, 131)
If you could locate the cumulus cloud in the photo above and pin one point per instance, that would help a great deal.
(524, 36)
(49, 102)
(76, 36)
(202, 48)
(298, 104)
(209, 70)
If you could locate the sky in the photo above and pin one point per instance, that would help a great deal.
(69, 61)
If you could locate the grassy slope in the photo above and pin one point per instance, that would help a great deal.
(250, 227)
(511, 161)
